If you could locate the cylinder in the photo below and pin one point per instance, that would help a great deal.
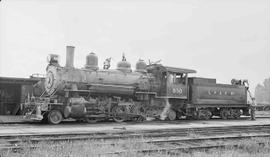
(70, 57)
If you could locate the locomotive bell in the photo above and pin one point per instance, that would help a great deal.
(53, 59)
(141, 66)
(91, 61)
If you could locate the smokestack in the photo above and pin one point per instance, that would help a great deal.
(70, 57)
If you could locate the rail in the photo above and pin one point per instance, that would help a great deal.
(183, 139)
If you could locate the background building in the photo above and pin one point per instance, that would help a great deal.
(14, 91)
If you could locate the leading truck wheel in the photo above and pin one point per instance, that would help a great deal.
(55, 117)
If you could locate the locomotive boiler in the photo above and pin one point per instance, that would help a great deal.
(59, 79)
(150, 91)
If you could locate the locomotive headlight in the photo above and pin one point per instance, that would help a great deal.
(53, 58)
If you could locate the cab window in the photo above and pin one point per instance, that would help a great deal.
(180, 78)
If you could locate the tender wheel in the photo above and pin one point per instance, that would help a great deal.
(236, 113)
(204, 114)
(55, 117)
(116, 111)
(224, 113)
(171, 115)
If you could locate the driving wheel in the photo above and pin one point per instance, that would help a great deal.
(118, 113)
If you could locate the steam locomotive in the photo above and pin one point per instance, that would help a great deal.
(150, 92)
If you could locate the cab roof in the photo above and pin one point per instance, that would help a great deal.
(170, 69)
(178, 70)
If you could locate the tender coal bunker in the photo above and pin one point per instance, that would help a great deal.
(10, 97)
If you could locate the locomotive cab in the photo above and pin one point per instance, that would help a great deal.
(176, 84)
(173, 81)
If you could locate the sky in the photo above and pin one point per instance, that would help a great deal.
(220, 39)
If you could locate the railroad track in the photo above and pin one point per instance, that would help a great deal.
(176, 145)
(172, 140)
(191, 144)
(70, 121)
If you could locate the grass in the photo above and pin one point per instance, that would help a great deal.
(92, 148)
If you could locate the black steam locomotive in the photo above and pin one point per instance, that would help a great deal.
(150, 92)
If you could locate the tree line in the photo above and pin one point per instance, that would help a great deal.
(262, 92)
